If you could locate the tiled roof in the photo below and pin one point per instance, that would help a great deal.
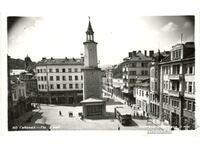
(65, 61)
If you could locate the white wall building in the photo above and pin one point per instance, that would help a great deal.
(60, 81)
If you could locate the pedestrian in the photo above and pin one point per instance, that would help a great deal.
(60, 113)
(118, 127)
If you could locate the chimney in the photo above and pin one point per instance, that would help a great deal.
(51, 58)
(151, 53)
(139, 51)
(43, 58)
(130, 54)
(134, 53)
(145, 52)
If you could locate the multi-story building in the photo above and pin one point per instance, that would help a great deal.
(18, 90)
(107, 82)
(177, 86)
(30, 83)
(141, 94)
(60, 81)
(154, 90)
(135, 68)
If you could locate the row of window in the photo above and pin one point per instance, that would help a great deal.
(169, 101)
(57, 70)
(143, 72)
(60, 86)
(189, 86)
(188, 69)
(189, 105)
(143, 65)
(59, 78)
(141, 92)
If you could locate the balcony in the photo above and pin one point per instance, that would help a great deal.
(175, 76)
(174, 93)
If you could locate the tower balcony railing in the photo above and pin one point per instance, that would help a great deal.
(175, 76)
(174, 93)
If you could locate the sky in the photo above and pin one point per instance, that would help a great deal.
(61, 36)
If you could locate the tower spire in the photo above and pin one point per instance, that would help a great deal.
(89, 32)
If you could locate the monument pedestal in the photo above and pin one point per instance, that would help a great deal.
(94, 108)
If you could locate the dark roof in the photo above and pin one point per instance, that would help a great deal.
(89, 30)
(65, 61)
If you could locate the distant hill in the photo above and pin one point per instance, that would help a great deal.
(19, 64)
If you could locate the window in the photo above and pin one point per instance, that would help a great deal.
(64, 86)
(45, 86)
(38, 70)
(45, 78)
(193, 106)
(156, 86)
(186, 87)
(142, 93)
(41, 78)
(57, 70)
(70, 86)
(81, 77)
(132, 80)
(41, 70)
(70, 78)
(132, 72)
(190, 69)
(76, 77)
(51, 86)
(146, 72)
(75, 70)
(50, 70)
(63, 78)
(133, 65)
(63, 70)
(57, 78)
(81, 85)
(189, 105)
(39, 86)
(190, 87)
(167, 69)
(176, 69)
(42, 86)
(58, 86)
(193, 87)
(69, 69)
(38, 78)
(76, 85)
(186, 69)
(144, 65)
(166, 85)
(142, 73)
(51, 78)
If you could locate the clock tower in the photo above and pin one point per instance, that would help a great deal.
(93, 105)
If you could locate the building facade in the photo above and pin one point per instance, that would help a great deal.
(107, 82)
(60, 81)
(135, 68)
(141, 94)
(177, 87)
